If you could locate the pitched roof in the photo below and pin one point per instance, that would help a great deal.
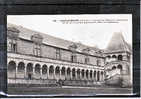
(118, 44)
(51, 40)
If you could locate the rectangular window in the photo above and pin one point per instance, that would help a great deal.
(73, 58)
(86, 60)
(58, 55)
(12, 46)
(37, 50)
(98, 63)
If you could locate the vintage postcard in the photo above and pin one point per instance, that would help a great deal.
(69, 55)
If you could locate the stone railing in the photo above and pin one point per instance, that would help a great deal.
(33, 81)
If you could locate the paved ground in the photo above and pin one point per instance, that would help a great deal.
(68, 91)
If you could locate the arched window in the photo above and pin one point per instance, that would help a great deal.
(78, 73)
(12, 69)
(108, 56)
(73, 73)
(44, 69)
(21, 67)
(120, 57)
(68, 71)
(82, 73)
(98, 76)
(119, 67)
(114, 56)
(63, 71)
(102, 75)
(91, 73)
(94, 74)
(57, 70)
(114, 67)
(51, 70)
(29, 68)
(12, 66)
(87, 74)
(37, 68)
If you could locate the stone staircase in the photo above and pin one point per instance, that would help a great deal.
(114, 80)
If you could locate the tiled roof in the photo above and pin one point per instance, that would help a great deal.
(118, 44)
(54, 41)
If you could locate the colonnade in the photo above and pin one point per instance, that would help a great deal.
(32, 70)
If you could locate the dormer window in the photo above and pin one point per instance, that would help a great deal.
(37, 40)
(73, 47)
(12, 32)
(12, 35)
(86, 50)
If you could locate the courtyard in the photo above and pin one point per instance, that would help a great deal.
(68, 91)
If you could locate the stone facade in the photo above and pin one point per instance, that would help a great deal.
(36, 62)
(39, 59)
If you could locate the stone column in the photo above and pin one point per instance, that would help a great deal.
(84, 75)
(71, 74)
(25, 71)
(96, 76)
(99, 75)
(60, 76)
(88, 75)
(76, 75)
(103, 76)
(80, 75)
(54, 74)
(66, 74)
(47, 73)
(16, 71)
(41, 72)
(33, 70)
(92, 75)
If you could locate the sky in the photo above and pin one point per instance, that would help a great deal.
(89, 29)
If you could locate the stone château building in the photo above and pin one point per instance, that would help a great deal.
(36, 58)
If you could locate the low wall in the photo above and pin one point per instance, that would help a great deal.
(47, 82)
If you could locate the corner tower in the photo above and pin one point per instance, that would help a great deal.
(118, 61)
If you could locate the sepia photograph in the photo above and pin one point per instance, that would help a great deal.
(69, 55)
